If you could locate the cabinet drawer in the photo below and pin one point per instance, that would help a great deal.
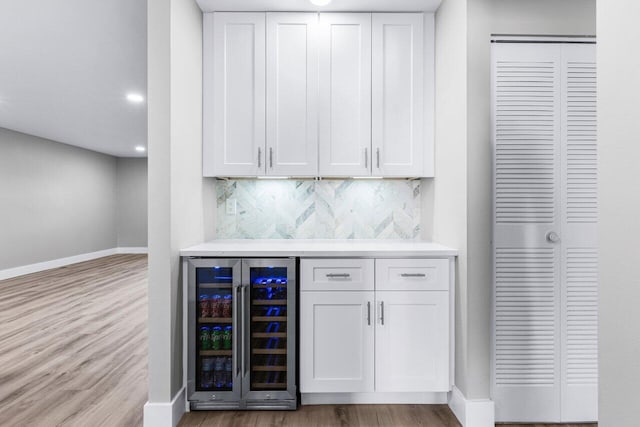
(412, 274)
(347, 274)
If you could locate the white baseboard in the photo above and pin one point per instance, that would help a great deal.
(47, 265)
(372, 398)
(61, 262)
(132, 250)
(472, 412)
(165, 414)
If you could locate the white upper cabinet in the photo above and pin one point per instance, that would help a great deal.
(234, 94)
(398, 94)
(305, 94)
(292, 94)
(345, 94)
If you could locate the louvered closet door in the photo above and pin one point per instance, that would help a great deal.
(578, 237)
(545, 217)
(527, 103)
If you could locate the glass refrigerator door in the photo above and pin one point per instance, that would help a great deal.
(270, 294)
(215, 334)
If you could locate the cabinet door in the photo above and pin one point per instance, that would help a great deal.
(336, 342)
(234, 94)
(292, 92)
(412, 341)
(345, 94)
(397, 94)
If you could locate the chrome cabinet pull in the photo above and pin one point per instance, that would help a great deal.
(259, 157)
(413, 275)
(271, 157)
(378, 157)
(366, 158)
(382, 312)
(343, 275)
(369, 313)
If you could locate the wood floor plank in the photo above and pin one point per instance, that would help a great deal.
(329, 415)
(74, 345)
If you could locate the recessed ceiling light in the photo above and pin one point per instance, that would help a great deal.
(135, 97)
(320, 2)
(140, 149)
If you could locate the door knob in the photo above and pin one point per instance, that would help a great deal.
(552, 237)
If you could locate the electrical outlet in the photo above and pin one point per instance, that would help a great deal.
(231, 207)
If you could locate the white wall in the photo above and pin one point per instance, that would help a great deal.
(449, 187)
(181, 202)
(161, 299)
(132, 201)
(543, 17)
(478, 199)
(56, 200)
(619, 228)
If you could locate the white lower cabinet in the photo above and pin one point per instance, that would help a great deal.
(337, 339)
(412, 341)
(364, 340)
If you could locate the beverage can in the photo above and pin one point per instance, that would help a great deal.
(228, 367)
(216, 306)
(205, 338)
(226, 338)
(205, 306)
(226, 306)
(219, 373)
(216, 338)
(206, 376)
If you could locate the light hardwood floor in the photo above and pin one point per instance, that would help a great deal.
(73, 345)
(330, 415)
(341, 415)
(73, 352)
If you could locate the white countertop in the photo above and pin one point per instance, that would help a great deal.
(319, 248)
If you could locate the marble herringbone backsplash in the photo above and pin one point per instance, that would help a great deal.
(327, 209)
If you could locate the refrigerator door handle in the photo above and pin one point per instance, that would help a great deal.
(238, 343)
(243, 331)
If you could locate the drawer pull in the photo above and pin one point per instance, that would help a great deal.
(338, 275)
(413, 275)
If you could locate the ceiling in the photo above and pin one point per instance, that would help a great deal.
(66, 68)
(334, 6)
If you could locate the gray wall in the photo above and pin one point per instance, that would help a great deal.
(132, 202)
(56, 200)
(460, 194)
(619, 228)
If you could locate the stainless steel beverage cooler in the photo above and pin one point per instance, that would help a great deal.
(241, 333)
